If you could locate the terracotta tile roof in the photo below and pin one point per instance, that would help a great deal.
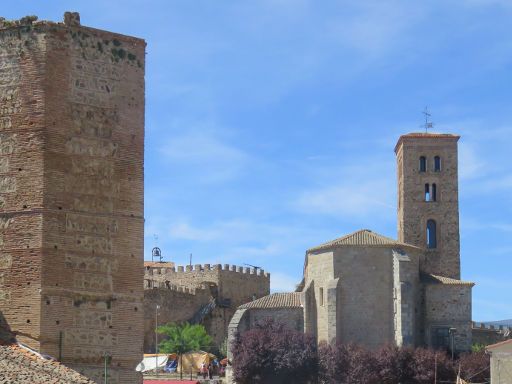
(500, 344)
(435, 279)
(21, 366)
(423, 135)
(275, 300)
(157, 264)
(364, 237)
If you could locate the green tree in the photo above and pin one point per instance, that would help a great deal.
(183, 338)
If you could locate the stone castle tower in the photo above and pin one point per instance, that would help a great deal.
(428, 204)
(71, 193)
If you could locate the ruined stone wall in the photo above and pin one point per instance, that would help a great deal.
(177, 304)
(73, 193)
(449, 306)
(489, 334)
(231, 285)
(414, 211)
(238, 284)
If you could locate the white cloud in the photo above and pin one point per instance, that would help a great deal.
(471, 164)
(376, 29)
(350, 198)
(491, 310)
(209, 158)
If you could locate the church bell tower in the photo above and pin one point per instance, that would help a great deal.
(428, 203)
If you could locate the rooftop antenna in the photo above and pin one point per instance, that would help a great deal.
(428, 124)
(253, 266)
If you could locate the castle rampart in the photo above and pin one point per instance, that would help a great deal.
(176, 304)
(228, 285)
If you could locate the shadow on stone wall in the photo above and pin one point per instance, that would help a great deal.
(6, 335)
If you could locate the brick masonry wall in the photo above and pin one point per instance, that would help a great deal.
(73, 188)
(22, 122)
(414, 211)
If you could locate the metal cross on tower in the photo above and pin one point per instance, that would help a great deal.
(428, 124)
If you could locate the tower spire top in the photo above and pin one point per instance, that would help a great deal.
(428, 123)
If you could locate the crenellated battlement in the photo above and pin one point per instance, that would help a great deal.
(222, 268)
(150, 284)
(491, 327)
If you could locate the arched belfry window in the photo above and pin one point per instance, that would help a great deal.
(433, 194)
(431, 234)
(437, 164)
(423, 164)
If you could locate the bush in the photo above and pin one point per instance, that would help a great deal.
(351, 364)
(270, 353)
(427, 361)
(474, 367)
(347, 364)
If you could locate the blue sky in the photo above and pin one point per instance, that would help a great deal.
(270, 125)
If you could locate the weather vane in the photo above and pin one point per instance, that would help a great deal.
(428, 124)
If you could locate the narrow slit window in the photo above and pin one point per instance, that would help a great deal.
(423, 164)
(431, 234)
(427, 192)
(437, 164)
(434, 192)
(321, 294)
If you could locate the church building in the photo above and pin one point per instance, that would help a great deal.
(372, 290)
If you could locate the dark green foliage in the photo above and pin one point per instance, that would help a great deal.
(183, 338)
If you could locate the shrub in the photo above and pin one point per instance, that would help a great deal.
(270, 353)
(347, 364)
(474, 367)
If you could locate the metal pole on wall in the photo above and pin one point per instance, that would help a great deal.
(435, 368)
(156, 338)
(106, 368)
(452, 336)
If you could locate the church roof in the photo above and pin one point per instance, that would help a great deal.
(436, 279)
(275, 300)
(363, 237)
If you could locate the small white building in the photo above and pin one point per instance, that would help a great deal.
(501, 362)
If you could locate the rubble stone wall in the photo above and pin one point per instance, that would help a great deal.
(230, 285)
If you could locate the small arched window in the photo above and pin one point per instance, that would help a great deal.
(437, 164)
(433, 195)
(431, 234)
(423, 164)
(427, 192)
